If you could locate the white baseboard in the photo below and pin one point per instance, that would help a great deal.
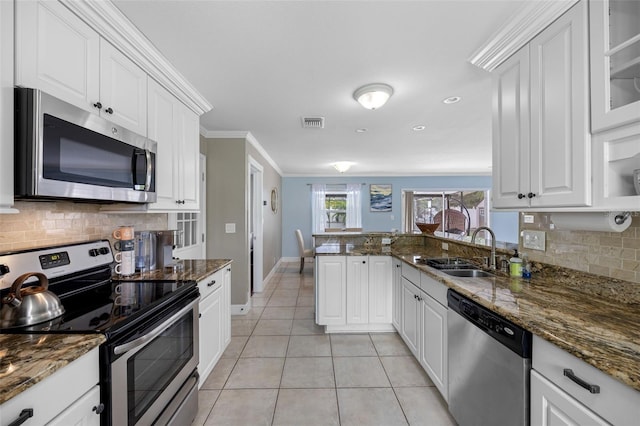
(296, 259)
(271, 272)
(241, 309)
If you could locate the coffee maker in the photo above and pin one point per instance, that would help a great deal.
(165, 243)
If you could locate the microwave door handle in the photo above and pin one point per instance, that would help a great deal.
(147, 183)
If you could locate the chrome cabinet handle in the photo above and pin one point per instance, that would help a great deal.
(22, 417)
(577, 380)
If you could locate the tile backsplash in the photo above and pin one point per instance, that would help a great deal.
(610, 254)
(50, 223)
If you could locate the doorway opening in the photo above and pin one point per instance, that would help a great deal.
(255, 222)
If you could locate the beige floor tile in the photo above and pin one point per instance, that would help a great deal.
(244, 407)
(282, 301)
(242, 327)
(424, 406)
(278, 313)
(260, 302)
(287, 283)
(306, 301)
(266, 346)
(389, 344)
(302, 327)
(352, 345)
(219, 375)
(305, 312)
(405, 371)
(267, 327)
(206, 399)
(254, 373)
(235, 347)
(308, 407)
(359, 372)
(254, 313)
(308, 373)
(286, 292)
(300, 346)
(369, 407)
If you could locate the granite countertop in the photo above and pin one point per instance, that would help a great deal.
(194, 270)
(26, 359)
(600, 331)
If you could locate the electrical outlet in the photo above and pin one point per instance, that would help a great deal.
(230, 228)
(528, 218)
(534, 240)
(445, 246)
(386, 241)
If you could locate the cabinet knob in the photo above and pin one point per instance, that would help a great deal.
(99, 408)
(521, 196)
(98, 105)
(108, 110)
(22, 417)
(531, 195)
(364, 261)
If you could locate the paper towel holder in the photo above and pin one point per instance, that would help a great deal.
(621, 218)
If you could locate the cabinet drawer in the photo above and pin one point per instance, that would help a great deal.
(411, 273)
(434, 288)
(616, 402)
(210, 284)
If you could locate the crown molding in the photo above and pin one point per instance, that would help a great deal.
(241, 134)
(523, 26)
(112, 25)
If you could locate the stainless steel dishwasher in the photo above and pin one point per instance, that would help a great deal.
(489, 366)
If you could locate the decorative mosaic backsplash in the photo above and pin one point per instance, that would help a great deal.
(50, 223)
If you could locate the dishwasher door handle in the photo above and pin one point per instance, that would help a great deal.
(577, 380)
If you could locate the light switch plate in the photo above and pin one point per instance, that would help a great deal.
(386, 241)
(230, 228)
(534, 240)
(528, 218)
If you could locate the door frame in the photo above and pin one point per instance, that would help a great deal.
(255, 197)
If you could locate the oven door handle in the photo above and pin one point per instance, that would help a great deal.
(140, 341)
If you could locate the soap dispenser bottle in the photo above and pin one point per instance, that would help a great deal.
(515, 265)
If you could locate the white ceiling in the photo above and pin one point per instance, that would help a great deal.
(265, 64)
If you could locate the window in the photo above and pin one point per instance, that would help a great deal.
(336, 210)
(336, 207)
(188, 226)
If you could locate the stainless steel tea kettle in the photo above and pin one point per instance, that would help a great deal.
(30, 305)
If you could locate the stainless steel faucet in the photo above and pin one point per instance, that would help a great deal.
(492, 260)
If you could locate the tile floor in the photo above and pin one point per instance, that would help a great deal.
(281, 369)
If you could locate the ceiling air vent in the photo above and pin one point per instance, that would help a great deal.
(313, 122)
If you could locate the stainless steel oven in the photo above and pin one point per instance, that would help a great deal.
(62, 151)
(151, 365)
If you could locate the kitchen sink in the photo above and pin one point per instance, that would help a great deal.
(468, 273)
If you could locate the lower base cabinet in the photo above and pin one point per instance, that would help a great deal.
(215, 320)
(70, 396)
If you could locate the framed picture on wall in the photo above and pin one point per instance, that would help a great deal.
(380, 197)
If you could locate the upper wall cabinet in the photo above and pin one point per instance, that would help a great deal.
(541, 140)
(615, 63)
(6, 107)
(60, 54)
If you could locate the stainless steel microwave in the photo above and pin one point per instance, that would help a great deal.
(65, 152)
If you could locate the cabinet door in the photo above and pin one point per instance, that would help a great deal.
(6, 106)
(226, 307)
(397, 295)
(511, 131)
(162, 107)
(357, 290)
(331, 290)
(380, 290)
(211, 331)
(560, 138)
(189, 158)
(57, 53)
(410, 317)
(82, 412)
(433, 346)
(123, 90)
(551, 406)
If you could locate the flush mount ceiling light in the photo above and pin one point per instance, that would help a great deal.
(452, 100)
(418, 128)
(361, 130)
(342, 166)
(373, 96)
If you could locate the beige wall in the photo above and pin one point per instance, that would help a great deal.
(51, 223)
(611, 254)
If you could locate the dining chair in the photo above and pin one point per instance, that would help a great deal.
(303, 251)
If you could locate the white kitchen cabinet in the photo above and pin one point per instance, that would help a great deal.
(187, 155)
(354, 293)
(226, 307)
(433, 342)
(331, 290)
(567, 390)
(615, 63)
(357, 290)
(397, 294)
(541, 139)
(69, 396)
(410, 327)
(211, 323)
(6, 107)
(60, 54)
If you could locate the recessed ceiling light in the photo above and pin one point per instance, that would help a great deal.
(418, 128)
(452, 100)
(361, 130)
